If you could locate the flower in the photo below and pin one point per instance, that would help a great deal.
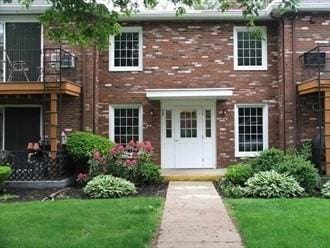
(82, 178)
(131, 143)
(148, 147)
(140, 145)
(96, 155)
(131, 162)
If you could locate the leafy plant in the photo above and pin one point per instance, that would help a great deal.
(5, 172)
(268, 160)
(325, 191)
(302, 170)
(132, 162)
(107, 186)
(81, 145)
(271, 184)
(148, 172)
(238, 174)
(230, 190)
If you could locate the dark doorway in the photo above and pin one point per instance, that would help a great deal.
(23, 51)
(22, 125)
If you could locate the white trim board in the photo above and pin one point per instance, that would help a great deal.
(193, 93)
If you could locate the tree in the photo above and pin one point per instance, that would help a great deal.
(90, 22)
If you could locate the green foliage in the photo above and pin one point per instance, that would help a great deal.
(238, 174)
(325, 191)
(268, 160)
(293, 164)
(8, 197)
(302, 170)
(91, 22)
(5, 172)
(230, 190)
(305, 150)
(271, 184)
(81, 145)
(148, 173)
(107, 186)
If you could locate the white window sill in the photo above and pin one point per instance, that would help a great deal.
(246, 154)
(125, 69)
(250, 68)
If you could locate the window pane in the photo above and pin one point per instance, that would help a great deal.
(126, 125)
(250, 129)
(168, 120)
(249, 51)
(127, 49)
(188, 124)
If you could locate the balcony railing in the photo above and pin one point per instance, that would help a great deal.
(48, 64)
(315, 63)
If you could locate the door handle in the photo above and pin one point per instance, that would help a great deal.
(175, 140)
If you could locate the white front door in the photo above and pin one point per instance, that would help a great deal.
(188, 136)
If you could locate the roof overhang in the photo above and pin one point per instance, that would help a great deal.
(195, 93)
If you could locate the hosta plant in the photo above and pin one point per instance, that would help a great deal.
(107, 186)
(271, 184)
(325, 191)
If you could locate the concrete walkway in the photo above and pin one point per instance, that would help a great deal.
(195, 217)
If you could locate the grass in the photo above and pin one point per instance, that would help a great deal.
(282, 222)
(126, 222)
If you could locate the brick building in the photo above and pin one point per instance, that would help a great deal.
(203, 88)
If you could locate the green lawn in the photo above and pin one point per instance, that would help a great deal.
(126, 222)
(282, 223)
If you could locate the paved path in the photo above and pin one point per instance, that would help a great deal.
(195, 217)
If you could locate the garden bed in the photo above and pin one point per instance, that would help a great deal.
(75, 192)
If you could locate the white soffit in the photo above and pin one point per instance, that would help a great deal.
(194, 93)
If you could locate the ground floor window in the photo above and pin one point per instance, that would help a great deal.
(125, 123)
(251, 129)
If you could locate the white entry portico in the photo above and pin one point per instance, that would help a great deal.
(188, 126)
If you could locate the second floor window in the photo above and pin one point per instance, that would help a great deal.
(126, 50)
(250, 49)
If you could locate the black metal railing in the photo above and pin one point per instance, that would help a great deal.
(35, 166)
(30, 65)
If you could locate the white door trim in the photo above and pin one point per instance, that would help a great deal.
(205, 104)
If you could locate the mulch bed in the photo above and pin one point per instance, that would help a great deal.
(76, 192)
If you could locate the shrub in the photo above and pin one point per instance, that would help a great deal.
(5, 172)
(107, 186)
(81, 145)
(148, 172)
(238, 174)
(268, 160)
(302, 170)
(325, 191)
(132, 162)
(230, 190)
(271, 184)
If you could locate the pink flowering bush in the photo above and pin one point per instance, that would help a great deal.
(132, 162)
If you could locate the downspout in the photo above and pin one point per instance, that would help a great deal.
(293, 65)
(94, 89)
(284, 83)
(83, 79)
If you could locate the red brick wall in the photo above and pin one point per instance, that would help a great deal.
(303, 33)
(200, 55)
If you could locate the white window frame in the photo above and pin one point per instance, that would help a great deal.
(264, 129)
(264, 65)
(112, 119)
(112, 66)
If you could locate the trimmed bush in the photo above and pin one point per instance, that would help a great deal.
(268, 160)
(230, 190)
(238, 174)
(81, 145)
(271, 184)
(148, 172)
(5, 172)
(325, 191)
(107, 186)
(302, 170)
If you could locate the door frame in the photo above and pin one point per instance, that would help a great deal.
(170, 105)
(4, 106)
